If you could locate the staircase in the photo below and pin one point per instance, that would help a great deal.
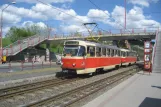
(20, 45)
(157, 54)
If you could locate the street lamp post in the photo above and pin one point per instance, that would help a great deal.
(1, 47)
(125, 13)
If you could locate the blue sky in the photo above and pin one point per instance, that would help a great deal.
(70, 14)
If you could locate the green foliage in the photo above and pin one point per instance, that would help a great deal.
(57, 49)
(20, 33)
(77, 34)
(43, 46)
(6, 42)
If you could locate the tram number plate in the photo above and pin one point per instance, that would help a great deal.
(65, 70)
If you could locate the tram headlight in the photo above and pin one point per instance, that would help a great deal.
(74, 64)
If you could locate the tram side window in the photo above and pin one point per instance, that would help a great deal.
(127, 53)
(120, 53)
(130, 54)
(98, 51)
(112, 52)
(108, 52)
(116, 52)
(81, 51)
(103, 51)
(124, 54)
(90, 51)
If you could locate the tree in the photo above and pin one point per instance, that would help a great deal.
(6, 42)
(20, 33)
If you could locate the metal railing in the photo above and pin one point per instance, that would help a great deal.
(20, 45)
(112, 32)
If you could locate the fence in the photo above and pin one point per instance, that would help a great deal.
(107, 32)
(10, 67)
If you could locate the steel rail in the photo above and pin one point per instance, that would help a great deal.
(35, 87)
(106, 82)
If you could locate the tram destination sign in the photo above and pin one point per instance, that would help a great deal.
(72, 43)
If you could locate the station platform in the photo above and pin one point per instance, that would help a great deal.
(17, 77)
(140, 90)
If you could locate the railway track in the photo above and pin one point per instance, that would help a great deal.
(27, 88)
(69, 97)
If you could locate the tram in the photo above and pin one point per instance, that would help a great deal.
(85, 57)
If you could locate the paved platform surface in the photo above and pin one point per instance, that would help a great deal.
(17, 66)
(16, 75)
(141, 90)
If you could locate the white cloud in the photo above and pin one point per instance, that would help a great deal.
(73, 28)
(100, 14)
(22, 12)
(5, 30)
(73, 21)
(10, 18)
(46, 1)
(65, 15)
(30, 23)
(135, 18)
(145, 3)
(135, 14)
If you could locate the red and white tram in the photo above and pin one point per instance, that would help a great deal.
(83, 57)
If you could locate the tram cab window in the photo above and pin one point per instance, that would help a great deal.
(103, 51)
(71, 50)
(81, 51)
(98, 51)
(90, 51)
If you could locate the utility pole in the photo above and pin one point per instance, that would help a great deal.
(125, 13)
(1, 47)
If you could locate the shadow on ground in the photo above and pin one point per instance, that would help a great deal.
(151, 102)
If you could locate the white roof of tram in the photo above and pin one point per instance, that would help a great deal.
(88, 43)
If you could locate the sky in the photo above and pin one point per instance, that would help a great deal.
(68, 16)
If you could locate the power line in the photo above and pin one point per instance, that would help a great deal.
(61, 11)
(103, 11)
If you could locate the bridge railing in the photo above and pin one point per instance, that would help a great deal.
(20, 45)
(111, 32)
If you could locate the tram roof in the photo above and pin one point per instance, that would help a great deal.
(101, 45)
(95, 44)
(126, 50)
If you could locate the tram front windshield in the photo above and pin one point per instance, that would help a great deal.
(74, 51)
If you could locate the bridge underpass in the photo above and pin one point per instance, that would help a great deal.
(20, 46)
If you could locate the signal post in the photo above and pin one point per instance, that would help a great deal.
(148, 56)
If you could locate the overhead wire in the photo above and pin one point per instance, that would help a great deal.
(106, 13)
(60, 10)
(63, 12)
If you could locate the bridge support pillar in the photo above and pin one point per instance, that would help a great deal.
(47, 52)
